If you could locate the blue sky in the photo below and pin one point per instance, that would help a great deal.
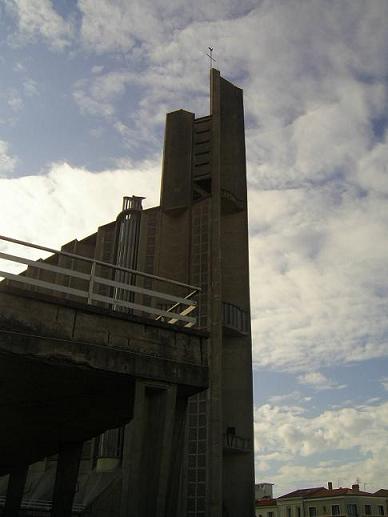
(84, 88)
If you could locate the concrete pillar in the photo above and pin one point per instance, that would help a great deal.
(167, 451)
(66, 479)
(16, 482)
(176, 495)
(148, 451)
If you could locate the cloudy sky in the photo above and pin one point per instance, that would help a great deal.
(84, 88)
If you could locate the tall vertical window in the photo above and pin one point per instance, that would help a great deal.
(335, 509)
(352, 510)
(312, 511)
(381, 510)
(288, 512)
(368, 510)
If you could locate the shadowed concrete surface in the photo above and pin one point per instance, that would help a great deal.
(69, 372)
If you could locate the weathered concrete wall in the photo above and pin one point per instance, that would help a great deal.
(116, 343)
(176, 182)
(69, 371)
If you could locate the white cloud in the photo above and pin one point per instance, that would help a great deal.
(30, 87)
(89, 105)
(384, 382)
(283, 434)
(66, 202)
(318, 277)
(372, 172)
(97, 96)
(294, 396)
(15, 102)
(38, 18)
(118, 25)
(319, 381)
(7, 162)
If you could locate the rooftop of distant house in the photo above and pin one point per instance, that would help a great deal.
(318, 492)
(266, 501)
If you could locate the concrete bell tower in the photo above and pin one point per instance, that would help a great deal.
(201, 238)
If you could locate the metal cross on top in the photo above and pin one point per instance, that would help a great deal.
(210, 56)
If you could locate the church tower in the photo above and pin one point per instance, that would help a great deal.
(199, 235)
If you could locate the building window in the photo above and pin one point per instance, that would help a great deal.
(288, 512)
(312, 511)
(335, 509)
(381, 510)
(352, 510)
(368, 509)
(298, 512)
(269, 514)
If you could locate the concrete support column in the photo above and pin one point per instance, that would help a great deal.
(66, 479)
(16, 482)
(176, 494)
(148, 451)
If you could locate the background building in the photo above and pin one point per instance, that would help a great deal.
(263, 490)
(325, 502)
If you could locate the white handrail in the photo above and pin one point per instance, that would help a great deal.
(92, 280)
(98, 262)
(41, 504)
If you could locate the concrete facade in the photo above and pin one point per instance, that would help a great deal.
(263, 490)
(201, 237)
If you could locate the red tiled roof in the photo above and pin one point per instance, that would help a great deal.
(324, 492)
(383, 492)
(303, 492)
(339, 491)
(265, 501)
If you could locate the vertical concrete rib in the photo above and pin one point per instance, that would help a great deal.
(175, 502)
(149, 451)
(215, 312)
(16, 482)
(69, 458)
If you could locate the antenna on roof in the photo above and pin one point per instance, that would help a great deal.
(210, 56)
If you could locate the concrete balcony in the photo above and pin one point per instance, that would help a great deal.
(234, 444)
(234, 320)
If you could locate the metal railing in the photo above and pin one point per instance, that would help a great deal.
(346, 514)
(178, 312)
(233, 442)
(40, 505)
(234, 318)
